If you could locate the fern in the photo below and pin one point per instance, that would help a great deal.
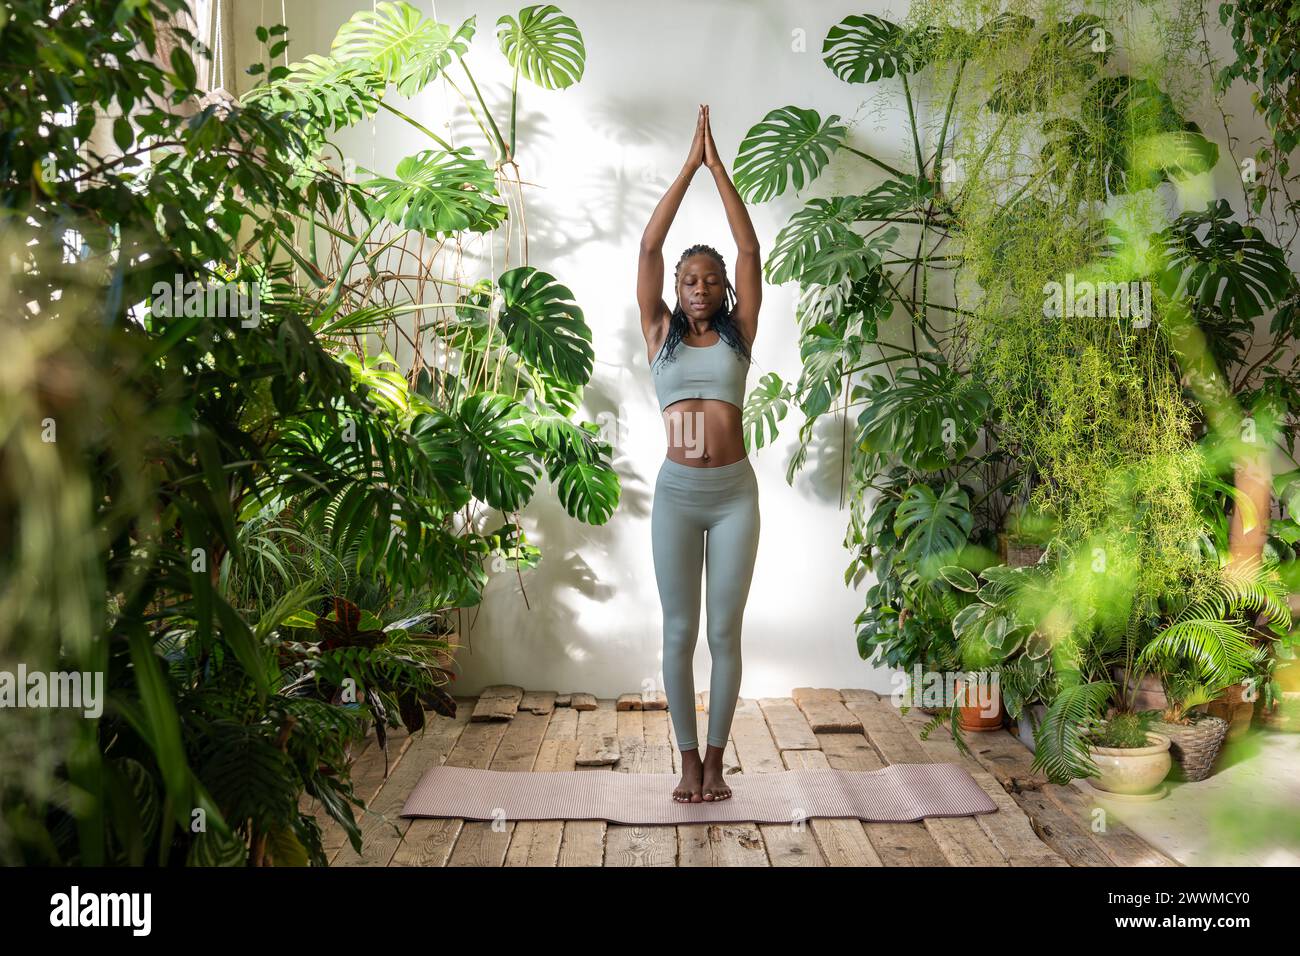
(1061, 749)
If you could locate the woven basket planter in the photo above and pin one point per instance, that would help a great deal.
(1196, 746)
(1016, 553)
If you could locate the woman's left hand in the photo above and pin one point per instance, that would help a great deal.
(711, 159)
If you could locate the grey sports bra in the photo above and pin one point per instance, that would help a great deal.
(701, 371)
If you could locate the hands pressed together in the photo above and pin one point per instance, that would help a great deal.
(704, 152)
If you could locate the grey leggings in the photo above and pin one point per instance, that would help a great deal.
(688, 502)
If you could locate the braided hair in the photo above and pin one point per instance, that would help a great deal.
(722, 322)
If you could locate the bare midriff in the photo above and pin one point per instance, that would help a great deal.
(704, 432)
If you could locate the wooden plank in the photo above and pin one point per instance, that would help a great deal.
(538, 701)
(787, 724)
(1121, 845)
(367, 773)
(896, 844)
(332, 835)
(825, 711)
(961, 840)
(1011, 831)
(1007, 759)
(537, 842)
(485, 842)
(429, 841)
(499, 702)
(642, 845)
(583, 701)
(756, 752)
(597, 735)
(655, 701)
(584, 840)
(1059, 831)
(381, 827)
(628, 702)
(563, 700)
(843, 841)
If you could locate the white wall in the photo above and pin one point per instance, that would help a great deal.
(603, 152)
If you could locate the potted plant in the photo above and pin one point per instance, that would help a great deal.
(1195, 738)
(1131, 759)
(1204, 648)
(973, 715)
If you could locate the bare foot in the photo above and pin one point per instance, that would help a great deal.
(688, 790)
(714, 787)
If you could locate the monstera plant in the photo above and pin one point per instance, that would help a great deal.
(1045, 150)
(491, 367)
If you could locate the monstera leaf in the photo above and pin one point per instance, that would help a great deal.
(385, 38)
(821, 224)
(438, 193)
(438, 435)
(1232, 268)
(895, 196)
(789, 145)
(928, 417)
(1066, 55)
(854, 259)
(434, 56)
(766, 405)
(497, 449)
(544, 45)
(589, 492)
(1131, 138)
(932, 528)
(543, 324)
(864, 48)
(333, 94)
(826, 352)
(577, 461)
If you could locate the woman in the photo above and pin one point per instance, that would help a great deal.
(706, 495)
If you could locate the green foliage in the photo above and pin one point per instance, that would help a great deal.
(1125, 731)
(1264, 42)
(543, 45)
(438, 193)
(1051, 156)
(218, 471)
(790, 146)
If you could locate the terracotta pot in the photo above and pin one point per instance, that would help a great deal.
(1150, 693)
(1231, 707)
(977, 718)
(1132, 770)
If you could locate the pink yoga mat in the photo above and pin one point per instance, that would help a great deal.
(898, 793)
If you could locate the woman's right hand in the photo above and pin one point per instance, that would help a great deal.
(695, 159)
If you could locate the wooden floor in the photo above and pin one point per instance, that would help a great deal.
(1037, 824)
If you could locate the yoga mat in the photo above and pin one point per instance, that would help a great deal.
(897, 793)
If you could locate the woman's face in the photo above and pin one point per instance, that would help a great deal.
(701, 286)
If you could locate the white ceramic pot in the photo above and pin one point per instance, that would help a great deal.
(1132, 770)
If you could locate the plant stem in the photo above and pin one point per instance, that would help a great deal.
(885, 166)
(418, 125)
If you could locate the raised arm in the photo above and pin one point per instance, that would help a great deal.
(749, 274)
(650, 264)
